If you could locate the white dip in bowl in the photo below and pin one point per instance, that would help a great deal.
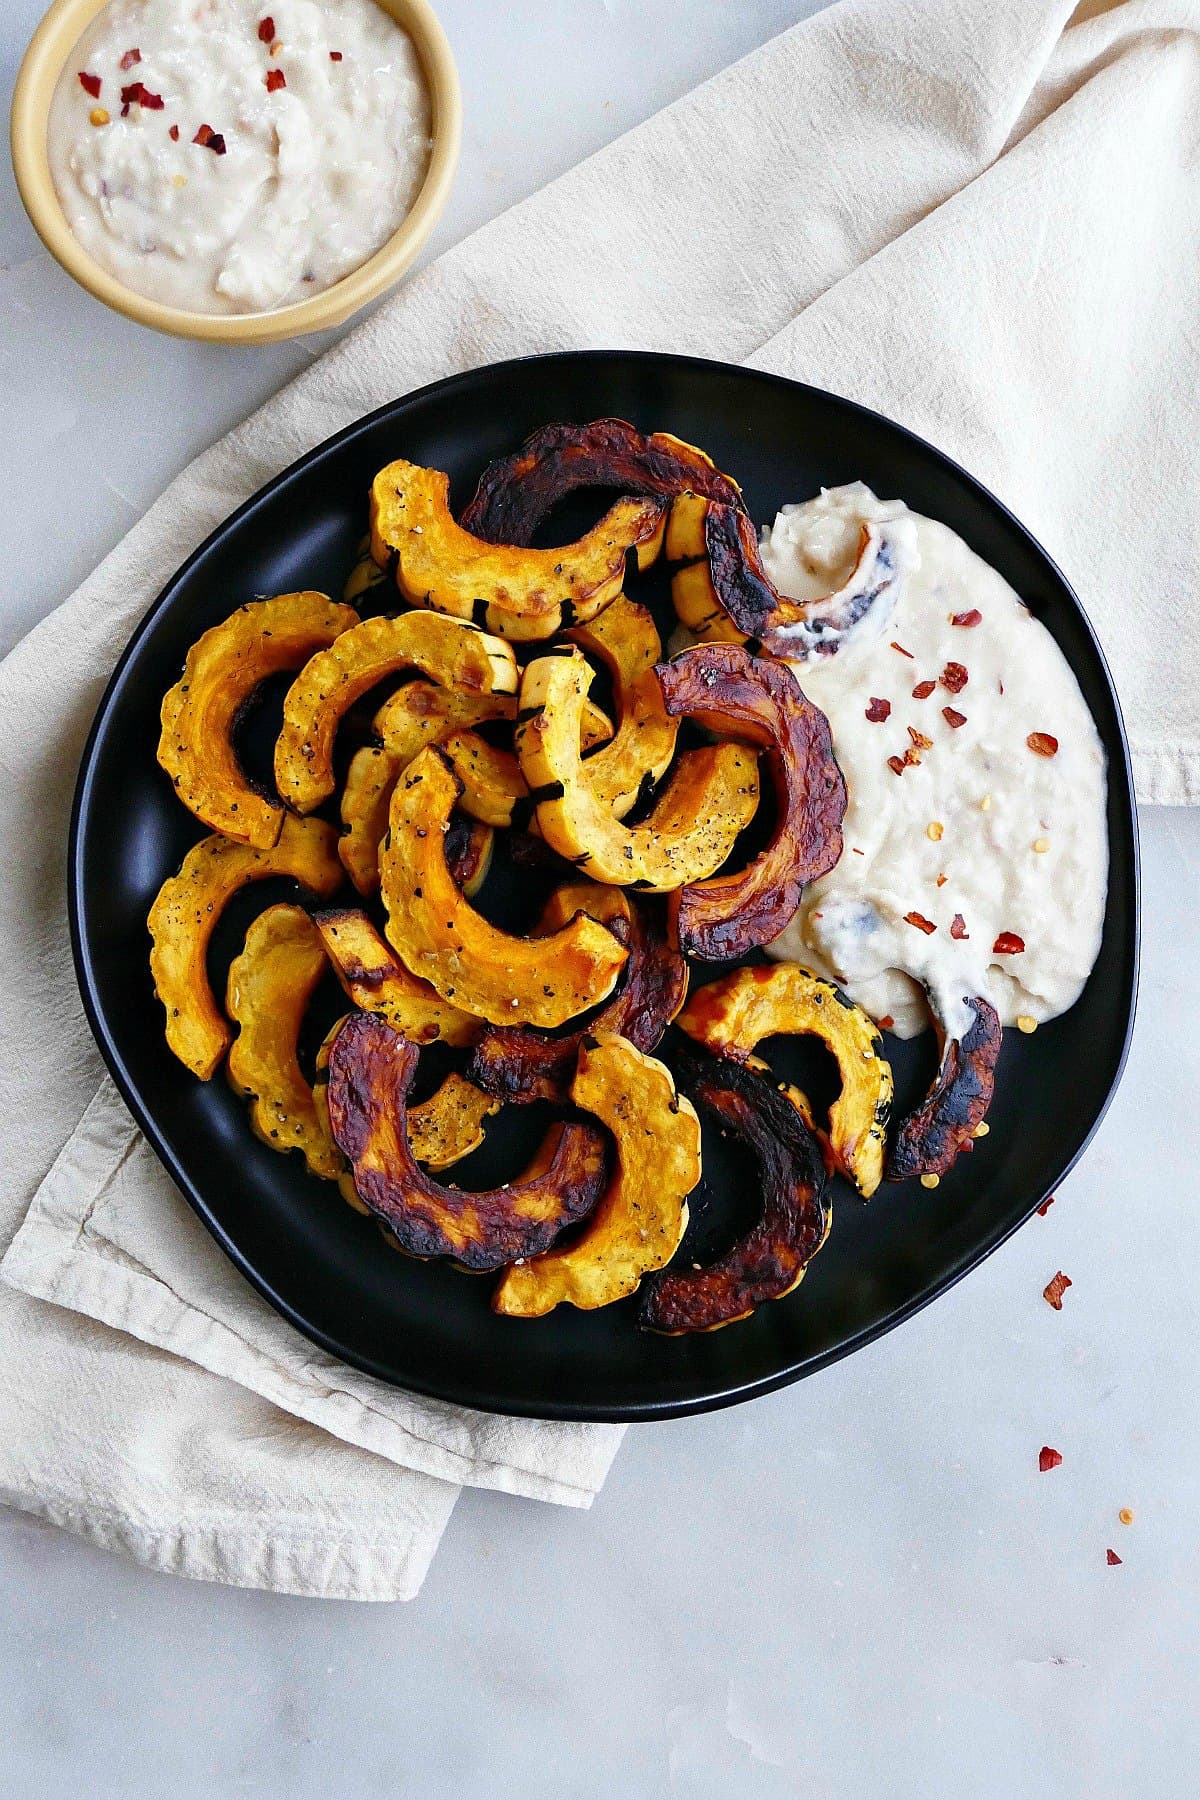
(234, 156)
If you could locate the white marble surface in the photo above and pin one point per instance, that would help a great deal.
(859, 1587)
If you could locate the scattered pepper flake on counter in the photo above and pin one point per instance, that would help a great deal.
(1054, 1290)
(1114, 1561)
(1044, 1208)
(1126, 1515)
(954, 677)
(878, 711)
(1048, 1459)
(1042, 744)
(958, 928)
(954, 719)
(266, 30)
(90, 84)
(130, 58)
(1008, 944)
(923, 690)
(275, 80)
(900, 647)
(921, 923)
(967, 619)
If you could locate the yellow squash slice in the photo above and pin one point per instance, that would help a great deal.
(222, 672)
(639, 1220)
(625, 639)
(440, 937)
(519, 593)
(732, 1015)
(456, 655)
(712, 794)
(268, 992)
(377, 983)
(185, 914)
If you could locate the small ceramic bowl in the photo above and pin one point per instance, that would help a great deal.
(53, 43)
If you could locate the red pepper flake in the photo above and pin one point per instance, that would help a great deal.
(886, 1023)
(900, 647)
(173, 134)
(1054, 1290)
(897, 765)
(208, 139)
(1008, 944)
(335, 56)
(878, 711)
(137, 95)
(942, 880)
(1048, 1459)
(1042, 744)
(922, 924)
(919, 739)
(266, 29)
(130, 58)
(90, 84)
(958, 928)
(954, 677)
(1044, 1208)
(966, 619)
(274, 80)
(1114, 1561)
(953, 717)
(923, 690)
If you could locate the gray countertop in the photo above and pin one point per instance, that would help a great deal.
(861, 1586)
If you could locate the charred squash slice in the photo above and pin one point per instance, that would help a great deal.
(185, 914)
(521, 1065)
(722, 591)
(270, 986)
(734, 1014)
(443, 940)
(223, 670)
(640, 1220)
(456, 655)
(758, 700)
(371, 1071)
(626, 640)
(711, 795)
(928, 1141)
(517, 492)
(320, 1094)
(518, 592)
(374, 980)
(771, 1259)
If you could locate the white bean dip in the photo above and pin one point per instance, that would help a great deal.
(233, 156)
(975, 777)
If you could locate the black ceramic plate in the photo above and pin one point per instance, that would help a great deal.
(425, 1326)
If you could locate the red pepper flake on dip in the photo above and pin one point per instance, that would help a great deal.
(958, 929)
(993, 792)
(922, 924)
(309, 173)
(923, 690)
(878, 711)
(1054, 1290)
(1048, 1459)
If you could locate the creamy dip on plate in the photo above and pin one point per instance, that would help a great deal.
(231, 156)
(976, 846)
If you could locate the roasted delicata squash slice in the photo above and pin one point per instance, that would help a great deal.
(320, 1095)
(928, 1141)
(771, 1259)
(734, 1014)
(270, 985)
(722, 591)
(758, 700)
(375, 981)
(224, 668)
(639, 1221)
(516, 493)
(366, 802)
(185, 914)
(626, 640)
(456, 655)
(371, 1071)
(520, 1065)
(518, 592)
(711, 795)
(440, 937)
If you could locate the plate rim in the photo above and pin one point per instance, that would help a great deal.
(629, 1412)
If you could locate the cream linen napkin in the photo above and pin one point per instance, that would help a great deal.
(982, 219)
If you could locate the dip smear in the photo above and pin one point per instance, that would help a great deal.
(976, 848)
(232, 156)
